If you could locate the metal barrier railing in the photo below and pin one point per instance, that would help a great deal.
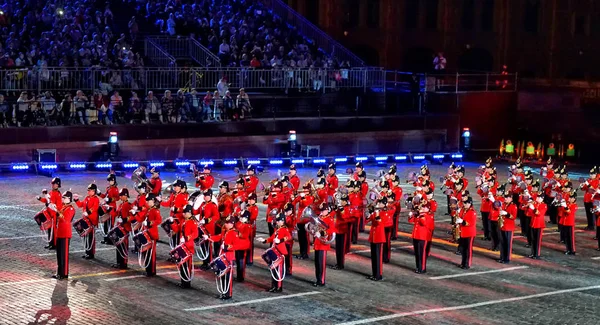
(313, 33)
(451, 83)
(106, 80)
(186, 47)
(158, 55)
(202, 55)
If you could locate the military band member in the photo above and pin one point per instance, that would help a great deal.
(110, 197)
(225, 200)
(304, 200)
(274, 201)
(89, 205)
(487, 192)
(508, 214)
(331, 180)
(322, 243)
(423, 223)
(278, 239)
(397, 190)
(432, 206)
(467, 219)
(244, 229)
(53, 201)
(228, 241)
(138, 205)
(63, 235)
(155, 183)
(538, 211)
(570, 208)
(209, 215)
(377, 239)
(253, 216)
(290, 222)
(388, 222)
(589, 187)
(176, 202)
(205, 180)
(294, 179)
(358, 170)
(189, 233)
(343, 218)
(153, 219)
(250, 180)
(124, 219)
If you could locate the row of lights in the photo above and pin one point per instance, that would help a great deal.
(380, 159)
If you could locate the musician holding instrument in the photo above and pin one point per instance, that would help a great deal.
(53, 201)
(224, 200)
(343, 218)
(304, 199)
(376, 238)
(397, 190)
(204, 180)
(487, 192)
(290, 222)
(274, 200)
(432, 205)
(189, 233)
(322, 194)
(124, 220)
(253, 216)
(507, 214)
(278, 239)
(570, 208)
(227, 242)
(294, 179)
(364, 190)
(138, 205)
(467, 219)
(89, 205)
(388, 221)
(209, 215)
(151, 221)
(251, 180)
(355, 203)
(538, 211)
(63, 235)
(243, 249)
(589, 187)
(323, 235)
(155, 183)
(359, 168)
(423, 222)
(449, 179)
(176, 202)
(239, 192)
(560, 201)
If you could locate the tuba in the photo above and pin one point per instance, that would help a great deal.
(315, 224)
(498, 205)
(139, 176)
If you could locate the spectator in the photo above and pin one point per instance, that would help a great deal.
(168, 107)
(66, 107)
(218, 101)
(116, 106)
(222, 86)
(181, 107)
(49, 106)
(152, 108)
(243, 103)
(22, 109)
(194, 102)
(206, 104)
(439, 63)
(80, 102)
(171, 25)
(4, 112)
(135, 108)
(228, 106)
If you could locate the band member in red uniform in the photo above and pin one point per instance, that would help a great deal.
(294, 179)
(359, 169)
(538, 210)
(63, 235)
(90, 210)
(152, 220)
(467, 220)
(589, 187)
(377, 239)
(286, 189)
(110, 197)
(357, 213)
(304, 199)
(322, 193)
(53, 201)
(189, 233)
(224, 199)
(251, 180)
(176, 202)
(278, 239)
(243, 248)
(155, 182)
(274, 201)
(387, 219)
(290, 222)
(205, 180)
(322, 243)
(449, 180)
(209, 215)
(432, 205)
(570, 208)
(124, 220)
(331, 180)
(397, 206)
(484, 190)
(228, 242)
(421, 234)
(507, 212)
(343, 218)
(253, 216)
(138, 205)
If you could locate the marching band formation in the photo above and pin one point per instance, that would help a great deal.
(221, 230)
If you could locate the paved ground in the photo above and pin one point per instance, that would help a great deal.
(557, 289)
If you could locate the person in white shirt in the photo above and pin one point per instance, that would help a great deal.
(152, 106)
(243, 103)
(222, 86)
(22, 107)
(439, 67)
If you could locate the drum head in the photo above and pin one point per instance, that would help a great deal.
(372, 196)
(497, 204)
(581, 180)
(196, 198)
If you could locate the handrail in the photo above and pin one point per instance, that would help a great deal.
(314, 33)
(201, 54)
(158, 55)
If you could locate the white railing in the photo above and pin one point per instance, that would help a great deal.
(158, 55)
(187, 48)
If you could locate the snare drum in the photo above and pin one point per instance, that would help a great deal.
(43, 220)
(220, 265)
(83, 227)
(143, 241)
(167, 226)
(272, 257)
(181, 254)
(104, 212)
(201, 231)
(116, 235)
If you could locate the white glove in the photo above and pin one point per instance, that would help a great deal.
(410, 214)
(191, 202)
(75, 197)
(38, 197)
(419, 188)
(276, 240)
(205, 237)
(491, 198)
(222, 247)
(202, 221)
(85, 214)
(145, 223)
(170, 219)
(133, 211)
(563, 204)
(182, 240)
(119, 220)
(172, 208)
(260, 239)
(420, 196)
(503, 213)
(159, 198)
(52, 207)
(106, 199)
(531, 206)
(44, 191)
(459, 220)
(47, 196)
(587, 183)
(318, 235)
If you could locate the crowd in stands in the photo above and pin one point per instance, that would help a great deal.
(83, 109)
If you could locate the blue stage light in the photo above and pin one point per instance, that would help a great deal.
(157, 164)
(19, 167)
(341, 159)
(276, 162)
(77, 166)
(49, 166)
(131, 165)
(361, 158)
(319, 161)
(254, 162)
(419, 157)
(297, 161)
(400, 158)
(229, 162)
(438, 156)
(182, 163)
(457, 155)
(381, 158)
(103, 165)
(210, 162)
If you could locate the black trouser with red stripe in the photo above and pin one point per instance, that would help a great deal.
(428, 245)
(186, 275)
(228, 280)
(90, 241)
(271, 228)
(494, 232)
(250, 251)
(589, 215)
(552, 209)
(206, 246)
(387, 246)
(277, 284)
(320, 266)
(598, 236)
(122, 251)
(394, 233)
(524, 220)
(240, 263)
(340, 250)
(448, 203)
(62, 256)
(288, 258)
(377, 260)
(466, 247)
(419, 246)
(506, 245)
(486, 224)
(303, 240)
(561, 233)
(569, 238)
(536, 241)
(150, 257)
(216, 245)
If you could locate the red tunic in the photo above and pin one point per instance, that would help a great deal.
(295, 181)
(510, 217)
(275, 200)
(250, 183)
(422, 226)
(123, 213)
(177, 201)
(210, 213)
(468, 229)
(569, 216)
(593, 185)
(342, 218)
(154, 220)
(156, 186)
(112, 193)
(303, 202)
(284, 236)
(319, 244)
(245, 234)
(331, 184)
(190, 233)
(140, 201)
(55, 197)
(225, 204)
(377, 232)
(230, 239)
(205, 182)
(538, 213)
(90, 206)
(63, 223)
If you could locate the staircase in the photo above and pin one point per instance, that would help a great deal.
(163, 50)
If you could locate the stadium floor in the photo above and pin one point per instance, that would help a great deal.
(556, 289)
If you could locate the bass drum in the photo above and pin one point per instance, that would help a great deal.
(196, 199)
